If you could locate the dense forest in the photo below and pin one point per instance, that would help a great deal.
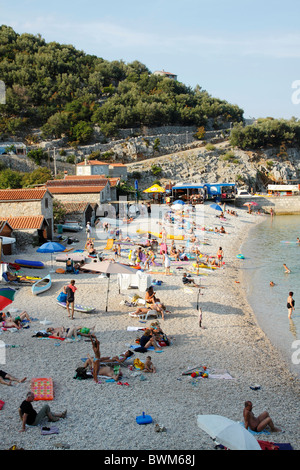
(66, 92)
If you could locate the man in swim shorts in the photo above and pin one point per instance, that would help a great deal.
(260, 423)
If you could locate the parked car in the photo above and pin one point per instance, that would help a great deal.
(243, 193)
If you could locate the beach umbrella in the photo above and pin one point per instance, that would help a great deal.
(7, 295)
(179, 201)
(229, 433)
(216, 207)
(51, 247)
(156, 188)
(109, 267)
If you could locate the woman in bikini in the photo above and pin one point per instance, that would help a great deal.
(220, 256)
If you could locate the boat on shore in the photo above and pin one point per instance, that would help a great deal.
(41, 285)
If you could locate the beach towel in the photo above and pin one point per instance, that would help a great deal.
(53, 430)
(255, 433)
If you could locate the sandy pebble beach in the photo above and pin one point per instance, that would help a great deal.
(103, 416)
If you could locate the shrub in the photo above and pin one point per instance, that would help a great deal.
(210, 147)
(156, 170)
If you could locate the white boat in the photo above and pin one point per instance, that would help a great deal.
(41, 285)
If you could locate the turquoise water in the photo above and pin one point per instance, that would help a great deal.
(264, 258)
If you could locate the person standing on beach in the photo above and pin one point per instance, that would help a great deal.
(220, 256)
(88, 229)
(290, 304)
(167, 262)
(70, 291)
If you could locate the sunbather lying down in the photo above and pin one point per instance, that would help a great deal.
(102, 370)
(119, 359)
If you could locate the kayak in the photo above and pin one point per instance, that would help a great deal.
(41, 285)
(29, 264)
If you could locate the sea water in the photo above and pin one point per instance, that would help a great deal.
(266, 250)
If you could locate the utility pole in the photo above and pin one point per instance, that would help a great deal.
(54, 159)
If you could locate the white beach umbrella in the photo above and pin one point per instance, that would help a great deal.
(227, 432)
(108, 267)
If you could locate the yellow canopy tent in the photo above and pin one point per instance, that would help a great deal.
(155, 189)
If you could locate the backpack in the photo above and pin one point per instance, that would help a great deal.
(81, 374)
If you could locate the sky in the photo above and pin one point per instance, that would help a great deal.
(243, 51)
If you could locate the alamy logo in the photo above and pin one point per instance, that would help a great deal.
(2, 353)
(296, 93)
(296, 354)
(2, 93)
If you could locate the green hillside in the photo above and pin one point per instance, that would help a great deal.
(64, 91)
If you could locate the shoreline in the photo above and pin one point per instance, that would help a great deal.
(282, 352)
(102, 416)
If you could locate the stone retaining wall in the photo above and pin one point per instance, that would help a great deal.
(281, 205)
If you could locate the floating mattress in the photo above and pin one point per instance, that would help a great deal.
(42, 388)
(29, 263)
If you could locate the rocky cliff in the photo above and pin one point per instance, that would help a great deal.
(220, 163)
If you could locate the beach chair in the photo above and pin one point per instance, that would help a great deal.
(109, 244)
(15, 283)
(146, 316)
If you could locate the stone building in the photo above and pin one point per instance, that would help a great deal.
(92, 167)
(26, 228)
(89, 190)
(81, 212)
(95, 167)
(28, 202)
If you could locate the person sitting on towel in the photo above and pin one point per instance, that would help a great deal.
(189, 280)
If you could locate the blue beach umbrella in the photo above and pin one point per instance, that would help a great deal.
(216, 207)
(51, 247)
(179, 201)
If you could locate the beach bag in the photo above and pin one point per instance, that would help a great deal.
(81, 374)
(62, 297)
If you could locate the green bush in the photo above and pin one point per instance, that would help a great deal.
(37, 156)
(210, 147)
(156, 170)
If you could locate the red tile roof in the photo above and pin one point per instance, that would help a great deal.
(25, 222)
(92, 162)
(75, 189)
(22, 194)
(84, 177)
(75, 206)
(77, 182)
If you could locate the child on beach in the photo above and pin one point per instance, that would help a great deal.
(149, 367)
